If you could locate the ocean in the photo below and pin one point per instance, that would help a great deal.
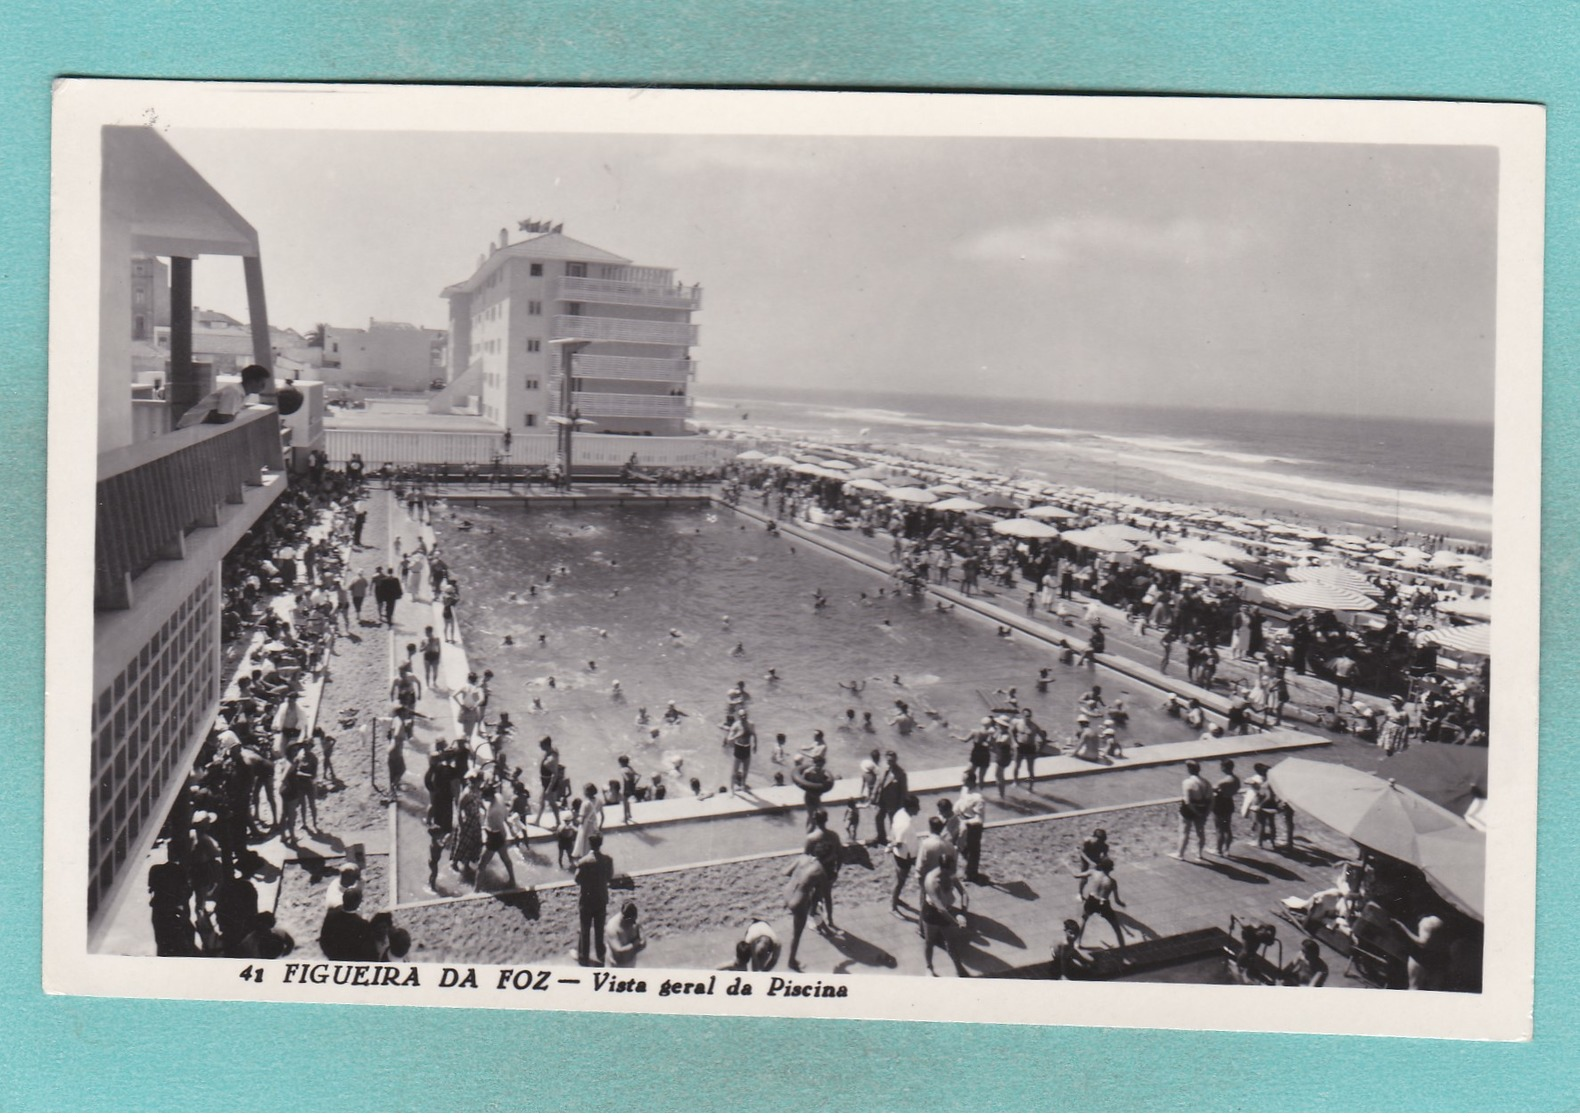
(1339, 473)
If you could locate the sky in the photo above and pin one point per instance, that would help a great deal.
(1331, 278)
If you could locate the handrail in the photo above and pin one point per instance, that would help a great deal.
(637, 330)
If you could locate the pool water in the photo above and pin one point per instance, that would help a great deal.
(678, 604)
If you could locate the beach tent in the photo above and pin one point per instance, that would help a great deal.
(1026, 529)
(750, 456)
(1341, 576)
(1478, 607)
(1318, 595)
(1094, 540)
(1188, 562)
(957, 504)
(1212, 548)
(911, 495)
(1475, 639)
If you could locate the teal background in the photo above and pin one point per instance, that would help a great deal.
(83, 1053)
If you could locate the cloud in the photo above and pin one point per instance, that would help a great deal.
(1061, 240)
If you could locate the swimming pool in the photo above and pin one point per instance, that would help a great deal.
(678, 604)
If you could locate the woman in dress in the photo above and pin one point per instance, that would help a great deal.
(415, 567)
(469, 830)
(590, 822)
(1240, 642)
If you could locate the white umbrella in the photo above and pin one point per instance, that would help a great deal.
(1479, 607)
(1448, 560)
(867, 484)
(912, 495)
(959, 504)
(836, 463)
(947, 488)
(1099, 541)
(750, 456)
(1477, 570)
(811, 470)
(869, 471)
(1025, 529)
(1473, 638)
(1124, 531)
(780, 460)
(1212, 548)
(1318, 595)
(1341, 576)
(1048, 512)
(1187, 562)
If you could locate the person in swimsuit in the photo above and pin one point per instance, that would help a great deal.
(1100, 894)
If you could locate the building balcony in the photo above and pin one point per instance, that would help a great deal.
(634, 331)
(663, 369)
(623, 293)
(152, 494)
(627, 405)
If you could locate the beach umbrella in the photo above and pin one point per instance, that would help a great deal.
(1448, 560)
(750, 456)
(811, 470)
(779, 460)
(947, 488)
(902, 481)
(1124, 531)
(1094, 540)
(1318, 595)
(1413, 554)
(869, 471)
(868, 485)
(1341, 576)
(1212, 548)
(1479, 569)
(1473, 638)
(1478, 607)
(957, 504)
(1048, 512)
(1189, 562)
(1026, 529)
(911, 495)
(1454, 862)
(836, 463)
(1369, 810)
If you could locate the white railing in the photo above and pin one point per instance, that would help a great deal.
(634, 330)
(627, 405)
(633, 273)
(634, 368)
(631, 294)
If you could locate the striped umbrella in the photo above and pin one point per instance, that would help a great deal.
(1318, 595)
(1341, 576)
(1473, 638)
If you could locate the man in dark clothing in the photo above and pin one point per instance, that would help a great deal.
(593, 873)
(386, 591)
(345, 935)
(893, 787)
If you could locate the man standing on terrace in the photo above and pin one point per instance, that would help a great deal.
(593, 872)
(1195, 804)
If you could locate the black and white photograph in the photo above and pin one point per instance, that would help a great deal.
(787, 553)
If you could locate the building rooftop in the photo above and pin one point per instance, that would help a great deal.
(547, 246)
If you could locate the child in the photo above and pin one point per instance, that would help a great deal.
(779, 749)
(852, 820)
(565, 835)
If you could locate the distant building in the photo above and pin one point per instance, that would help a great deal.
(170, 504)
(632, 376)
(385, 354)
(150, 297)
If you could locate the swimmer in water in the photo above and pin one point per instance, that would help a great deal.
(772, 676)
(592, 665)
(866, 722)
(543, 639)
(537, 705)
(724, 622)
(738, 650)
(675, 634)
(850, 720)
(552, 684)
(603, 633)
(615, 691)
(944, 607)
(641, 715)
(896, 681)
(1044, 677)
(673, 713)
(510, 641)
(511, 596)
(532, 590)
(779, 749)
(855, 686)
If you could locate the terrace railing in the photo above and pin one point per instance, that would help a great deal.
(635, 330)
(622, 293)
(151, 494)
